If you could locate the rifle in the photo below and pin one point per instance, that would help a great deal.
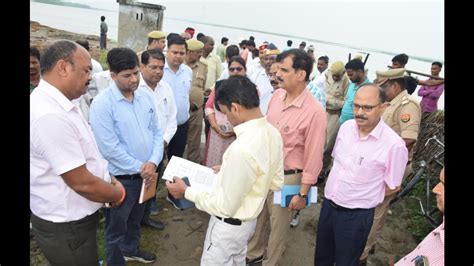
(419, 73)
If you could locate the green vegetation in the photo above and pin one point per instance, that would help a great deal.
(103, 59)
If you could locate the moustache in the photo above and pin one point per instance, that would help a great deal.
(279, 79)
(361, 117)
(274, 82)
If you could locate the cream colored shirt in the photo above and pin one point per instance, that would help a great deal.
(214, 70)
(251, 166)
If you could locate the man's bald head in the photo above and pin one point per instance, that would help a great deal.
(373, 90)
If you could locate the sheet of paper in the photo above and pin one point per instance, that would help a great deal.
(313, 199)
(201, 177)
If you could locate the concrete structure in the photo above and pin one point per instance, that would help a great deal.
(136, 20)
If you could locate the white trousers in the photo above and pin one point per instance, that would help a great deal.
(226, 244)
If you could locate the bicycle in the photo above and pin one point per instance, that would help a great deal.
(425, 169)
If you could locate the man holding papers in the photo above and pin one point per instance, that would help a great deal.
(127, 130)
(301, 121)
(251, 166)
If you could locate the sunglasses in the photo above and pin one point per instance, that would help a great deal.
(232, 69)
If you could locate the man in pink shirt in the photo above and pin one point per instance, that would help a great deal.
(369, 161)
(301, 120)
(431, 249)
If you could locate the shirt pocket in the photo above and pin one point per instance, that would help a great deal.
(291, 138)
(364, 169)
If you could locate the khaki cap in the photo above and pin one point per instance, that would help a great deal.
(194, 45)
(156, 34)
(383, 76)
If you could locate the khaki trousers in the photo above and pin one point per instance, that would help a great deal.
(380, 216)
(331, 134)
(194, 136)
(278, 219)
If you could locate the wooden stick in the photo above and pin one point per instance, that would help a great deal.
(419, 73)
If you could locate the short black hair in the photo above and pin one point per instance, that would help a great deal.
(438, 64)
(153, 53)
(224, 39)
(251, 38)
(250, 43)
(35, 52)
(301, 60)
(231, 50)
(410, 84)
(382, 93)
(60, 50)
(178, 40)
(102, 18)
(121, 58)
(240, 90)
(171, 36)
(402, 58)
(84, 43)
(324, 58)
(289, 42)
(239, 60)
(189, 28)
(200, 35)
(355, 64)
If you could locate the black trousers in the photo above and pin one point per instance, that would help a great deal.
(341, 235)
(178, 142)
(71, 243)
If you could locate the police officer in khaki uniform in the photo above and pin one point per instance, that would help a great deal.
(196, 98)
(336, 86)
(403, 115)
(156, 40)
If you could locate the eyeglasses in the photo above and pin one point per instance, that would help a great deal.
(365, 108)
(232, 69)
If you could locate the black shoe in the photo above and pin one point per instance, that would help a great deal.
(153, 224)
(254, 261)
(141, 256)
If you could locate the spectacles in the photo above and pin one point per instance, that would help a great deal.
(232, 69)
(365, 108)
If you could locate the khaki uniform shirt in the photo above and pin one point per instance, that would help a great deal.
(335, 91)
(215, 69)
(196, 97)
(403, 115)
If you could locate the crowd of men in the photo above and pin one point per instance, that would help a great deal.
(96, 136)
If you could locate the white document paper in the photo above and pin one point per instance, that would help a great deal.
(313, 199)
(200, 177)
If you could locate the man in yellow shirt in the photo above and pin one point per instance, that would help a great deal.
(251, 166)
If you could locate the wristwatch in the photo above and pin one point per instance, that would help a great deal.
(302, 196)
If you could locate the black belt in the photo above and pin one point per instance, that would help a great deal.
(129, 177)
(231, 221)
(293, 171)
(340, 208)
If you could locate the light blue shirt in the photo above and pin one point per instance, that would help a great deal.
(180, 82)
(127, 133)
(318, 93)
(348, 110)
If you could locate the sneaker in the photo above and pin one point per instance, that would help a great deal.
(295, 220)
(141, 256)
(254, 261)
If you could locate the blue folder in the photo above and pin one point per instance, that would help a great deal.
(287, 193)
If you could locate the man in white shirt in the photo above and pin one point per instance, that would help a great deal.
(151, 68)
(69, 179)
(252, 165)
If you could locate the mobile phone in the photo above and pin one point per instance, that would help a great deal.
(224, 128)
(421, 261)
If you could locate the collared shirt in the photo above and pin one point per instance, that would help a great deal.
(347, 110)
(363, 166)
(317, 92)
(431, 247)
(320, 80)
(166, 106)
(60, 140)
(302, 126)
(251, 166)
(220, 51)
(260, 78)
(430, 94)
(180, 82)
(127, 133)
(403, 115)
(336, 91)
(214, 70)
(100, 81)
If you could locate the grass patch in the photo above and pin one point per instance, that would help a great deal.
(101, 236)
(103, 59)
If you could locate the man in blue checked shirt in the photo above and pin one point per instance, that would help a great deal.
(129, 137)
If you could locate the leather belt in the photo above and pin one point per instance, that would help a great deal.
(333, 112)
(231, 221)
(340, 208)
(129, 177)
(293, 171)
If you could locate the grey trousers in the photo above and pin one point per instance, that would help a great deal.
(71, 243)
